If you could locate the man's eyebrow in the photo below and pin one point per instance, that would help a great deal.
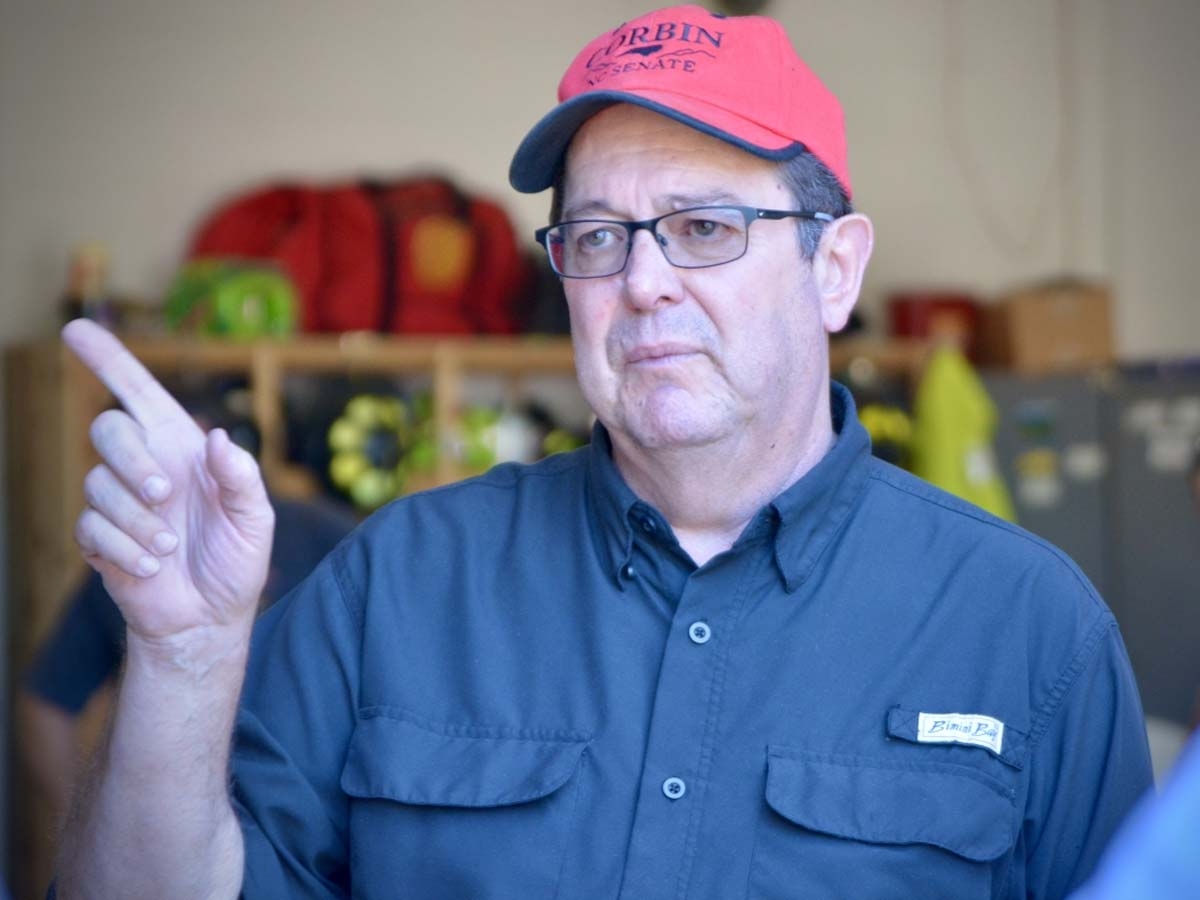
(708, 198)
(588, 209)
(598, 208)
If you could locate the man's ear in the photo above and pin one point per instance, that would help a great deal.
(838, 267)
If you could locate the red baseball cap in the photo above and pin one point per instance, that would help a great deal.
(736, 78)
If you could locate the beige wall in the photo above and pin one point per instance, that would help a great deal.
(1063, 140)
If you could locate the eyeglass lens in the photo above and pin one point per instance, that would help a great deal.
(690, 238)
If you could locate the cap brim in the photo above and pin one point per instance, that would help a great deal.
(540, 154)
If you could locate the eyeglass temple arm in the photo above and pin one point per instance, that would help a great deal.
(790, 214)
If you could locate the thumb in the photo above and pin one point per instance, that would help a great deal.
(243, 496)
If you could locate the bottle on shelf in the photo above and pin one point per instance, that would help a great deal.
(87, 294)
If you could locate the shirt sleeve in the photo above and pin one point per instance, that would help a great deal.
(298, 710)
(82, 652)
(304, 533)
(1089, 767)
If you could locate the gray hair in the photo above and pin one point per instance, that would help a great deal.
(815, 189)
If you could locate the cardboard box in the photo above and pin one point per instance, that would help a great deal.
(1059, 327)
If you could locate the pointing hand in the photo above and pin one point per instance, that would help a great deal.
(177, 521)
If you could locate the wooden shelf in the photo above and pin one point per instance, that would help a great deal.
(902, 357)
(265, 364)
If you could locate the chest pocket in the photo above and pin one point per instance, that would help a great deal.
(844, 826)
(471, 813)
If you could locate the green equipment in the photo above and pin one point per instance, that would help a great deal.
(231, 299)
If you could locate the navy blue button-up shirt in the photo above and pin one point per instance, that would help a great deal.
(521, 686)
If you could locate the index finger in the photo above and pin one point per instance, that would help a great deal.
(122, 373)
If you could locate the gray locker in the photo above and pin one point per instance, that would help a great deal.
(1097, 465)
(1153, 425)
(1051, 450)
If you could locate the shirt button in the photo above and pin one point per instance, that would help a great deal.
(699, 632)
(627, 571)
(674, 788)
(648, 525)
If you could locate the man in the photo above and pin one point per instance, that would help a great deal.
(719, 653)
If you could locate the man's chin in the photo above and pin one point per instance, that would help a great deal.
(678, 429)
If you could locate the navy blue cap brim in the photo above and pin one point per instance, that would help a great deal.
(540, 155)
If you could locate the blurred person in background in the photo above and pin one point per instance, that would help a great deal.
(1194, 477)
(1156, 854)
(1194, 489)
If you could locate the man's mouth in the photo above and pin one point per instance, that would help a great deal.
(649, 354)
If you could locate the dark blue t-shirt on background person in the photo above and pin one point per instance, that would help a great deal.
(86, 646)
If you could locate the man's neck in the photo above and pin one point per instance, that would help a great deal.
(710, 493)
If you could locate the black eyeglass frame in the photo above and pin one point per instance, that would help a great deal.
(750, 214)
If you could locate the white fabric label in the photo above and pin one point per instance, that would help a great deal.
(961, 728)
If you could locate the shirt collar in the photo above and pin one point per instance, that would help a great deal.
(807, 514)
(812, 510)
(611, 501)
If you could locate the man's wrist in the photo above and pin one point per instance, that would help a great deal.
(194, 652)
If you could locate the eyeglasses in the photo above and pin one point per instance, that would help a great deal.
(694, 238)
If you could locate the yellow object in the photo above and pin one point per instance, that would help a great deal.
(954, 423)
(369, 441)
(442, 253)
(886, 423)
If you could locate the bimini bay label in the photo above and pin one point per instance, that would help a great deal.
(675, 46)
(961, 728)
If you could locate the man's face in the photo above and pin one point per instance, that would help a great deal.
(671, 357)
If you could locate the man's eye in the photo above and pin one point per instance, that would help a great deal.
(703, 227)
(596, 238)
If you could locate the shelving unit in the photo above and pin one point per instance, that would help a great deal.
(447, 361)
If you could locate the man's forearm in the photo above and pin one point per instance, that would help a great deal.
(153, 817)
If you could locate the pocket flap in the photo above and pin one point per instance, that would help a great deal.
(872, 801)
(396, 759)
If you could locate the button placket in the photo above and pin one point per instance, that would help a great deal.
(688, 714)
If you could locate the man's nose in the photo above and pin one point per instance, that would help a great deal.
(649, 278)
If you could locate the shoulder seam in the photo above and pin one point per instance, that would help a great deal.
(1043, 715)
(1001, 525)
(342, 578)
(1105, 622)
